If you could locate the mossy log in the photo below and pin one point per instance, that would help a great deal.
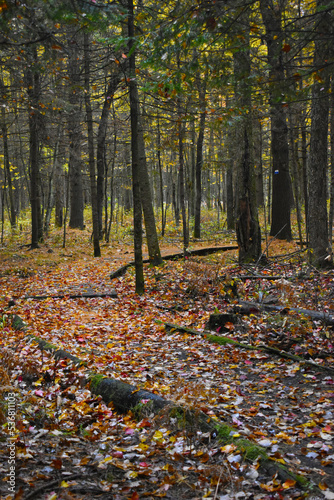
(126, 397)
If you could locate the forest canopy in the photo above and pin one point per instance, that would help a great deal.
(169, 106)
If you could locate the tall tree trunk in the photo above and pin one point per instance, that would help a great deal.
(192, 180)
(318, 219)
(305, 173)
(91, 157)
(74, 132)
(199, 159)
(230, 219)
(331, 207)
(258, 146)
(12, 211)
(134, 112)
(161, 182)
(146, 195)
(114, 80)
(181, 181)
(33, 86)
(271, 11)
(59, 182)
(247, 226)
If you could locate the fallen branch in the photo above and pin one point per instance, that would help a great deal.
(173, 256)
(49, 486)
(315, 315)
(83, 295)
(261, 347)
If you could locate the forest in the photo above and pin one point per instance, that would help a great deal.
(166, 277)
(171, 107)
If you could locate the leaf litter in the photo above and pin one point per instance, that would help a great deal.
(70, 444)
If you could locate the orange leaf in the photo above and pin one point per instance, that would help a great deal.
(289, 483)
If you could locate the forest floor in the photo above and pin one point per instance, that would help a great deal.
(271, 391)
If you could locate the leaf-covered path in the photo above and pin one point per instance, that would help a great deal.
(89, 451)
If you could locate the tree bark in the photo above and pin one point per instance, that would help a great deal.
(91, 156)
(146, 195)
(320, 250)
(114, 80)
(12, 211)
(34, 90)
(74, 132)
(281, 188)
(134, 113)
(59, 182)
(247, 226)
(199, 159)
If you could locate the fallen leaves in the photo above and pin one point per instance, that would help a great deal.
(277, 404)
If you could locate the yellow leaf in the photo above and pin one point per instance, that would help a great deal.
(228, 448)
(158, 435)
(289, 483)
(143, 446)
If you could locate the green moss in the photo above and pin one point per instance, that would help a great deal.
(225, 432)
(251, 452)
(94, 381)
(48, 346)
(180, 414)
(43, 344)
(17, 323)
(215, 339)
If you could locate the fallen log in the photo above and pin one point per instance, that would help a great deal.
(82, 295)
(326, 318)
(173, 256)
(122, 395)
(221, 339)
(125, 397)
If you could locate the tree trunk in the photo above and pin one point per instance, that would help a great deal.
(146, 195)
(91, 157)
(247, 227)
(258, 147)
(181, 180)
(318, 219)
(12, 211)
(281, 186)
(74, 132)
(100, 148)
(230, 220)
(134, 112)
(331, 207)
(199, 159)
(59, 183)
(161, 182)
(33, 86)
